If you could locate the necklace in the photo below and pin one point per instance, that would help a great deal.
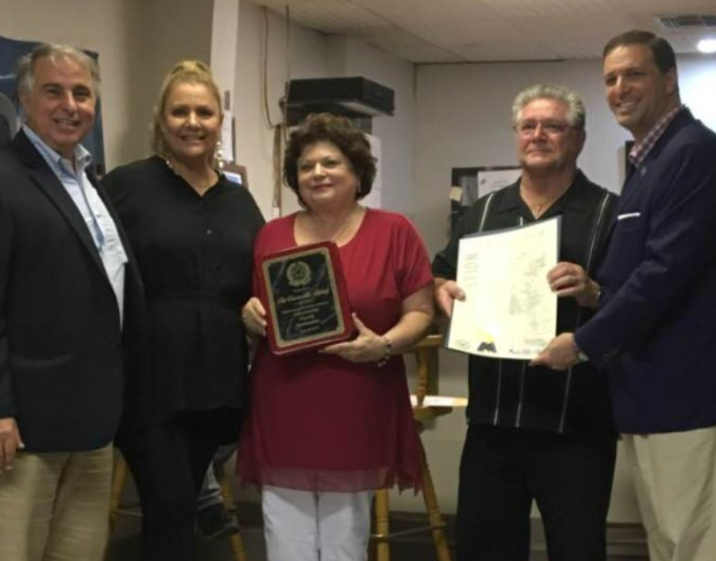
(537, 209)
(336, 236)
(199, 187)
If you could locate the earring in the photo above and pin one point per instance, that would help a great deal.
(219, 154)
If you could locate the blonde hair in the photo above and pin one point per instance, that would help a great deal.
(183, 72)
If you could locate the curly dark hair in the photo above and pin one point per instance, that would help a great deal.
(339, 131)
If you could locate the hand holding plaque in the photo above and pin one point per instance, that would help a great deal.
(304, 293)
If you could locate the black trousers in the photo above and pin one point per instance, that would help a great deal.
(503, 470)
(168, 463)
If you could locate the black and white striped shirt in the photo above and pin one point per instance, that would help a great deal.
(510, 393)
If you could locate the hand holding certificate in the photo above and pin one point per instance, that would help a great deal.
(509, 310)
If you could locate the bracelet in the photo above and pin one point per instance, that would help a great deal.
(382, 361)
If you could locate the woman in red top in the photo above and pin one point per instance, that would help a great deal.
(326, 428)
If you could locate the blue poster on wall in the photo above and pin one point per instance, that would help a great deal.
(10, 51)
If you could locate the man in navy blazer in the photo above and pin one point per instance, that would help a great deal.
(655, 331)
(66, 288)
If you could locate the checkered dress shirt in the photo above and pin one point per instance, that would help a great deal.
(640, 151)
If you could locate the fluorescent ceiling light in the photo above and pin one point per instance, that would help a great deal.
(707, 46)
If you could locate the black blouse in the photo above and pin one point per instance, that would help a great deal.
(195, 256)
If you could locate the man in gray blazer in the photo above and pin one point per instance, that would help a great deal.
(65, 283)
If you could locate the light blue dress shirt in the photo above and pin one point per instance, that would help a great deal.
(98, 220)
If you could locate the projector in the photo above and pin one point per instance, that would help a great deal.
(351, 96)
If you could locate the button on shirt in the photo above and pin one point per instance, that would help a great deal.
(93, 210)
(195, 255)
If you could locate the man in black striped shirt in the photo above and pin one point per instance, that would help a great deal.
(535, 433)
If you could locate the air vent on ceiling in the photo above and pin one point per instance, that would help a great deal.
(675, 23)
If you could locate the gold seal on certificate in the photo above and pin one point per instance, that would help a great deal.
(304, 293)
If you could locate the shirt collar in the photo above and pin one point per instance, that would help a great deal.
(511, 199)
(640, 151)
(53, 158)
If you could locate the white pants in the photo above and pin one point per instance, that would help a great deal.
(316, 526)
(675, 481)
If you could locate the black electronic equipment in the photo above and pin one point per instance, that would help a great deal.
(354, 97)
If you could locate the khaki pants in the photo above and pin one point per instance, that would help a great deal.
(55, 507)
(675, 480)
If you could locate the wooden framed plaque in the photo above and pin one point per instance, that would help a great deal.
(304, 293)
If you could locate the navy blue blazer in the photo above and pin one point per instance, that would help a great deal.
(655, 330)
(61, 345)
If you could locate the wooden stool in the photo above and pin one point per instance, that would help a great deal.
(120, 475)
(237, 540)
(425, 408)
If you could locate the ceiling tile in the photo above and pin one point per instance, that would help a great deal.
(488, 30)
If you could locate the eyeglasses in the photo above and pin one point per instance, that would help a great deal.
(527, 129)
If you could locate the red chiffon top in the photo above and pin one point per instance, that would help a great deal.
(322, 423)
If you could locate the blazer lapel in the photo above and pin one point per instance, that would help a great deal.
(48, 183)
(133, 284)
(635, 176)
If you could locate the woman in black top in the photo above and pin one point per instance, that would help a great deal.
(192, 232)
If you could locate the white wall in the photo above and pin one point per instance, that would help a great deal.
(697, 83)
(314, 55)
(396, 132)
(137, 42)
(159, 33)
(85, 25)
(307, 58)
(462, 119)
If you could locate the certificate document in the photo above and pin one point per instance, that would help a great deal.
(509, 310)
